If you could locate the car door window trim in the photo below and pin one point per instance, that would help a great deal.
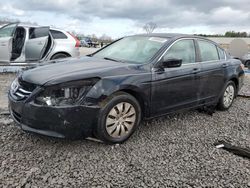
(224, 54)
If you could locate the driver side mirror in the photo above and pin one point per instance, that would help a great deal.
(171, 63)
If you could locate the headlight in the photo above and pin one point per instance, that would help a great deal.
(65, 94)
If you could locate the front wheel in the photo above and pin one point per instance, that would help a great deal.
(118, 119)
(227, 98)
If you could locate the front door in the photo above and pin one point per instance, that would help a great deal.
(175, 88)
(36, 45)
(6, 39)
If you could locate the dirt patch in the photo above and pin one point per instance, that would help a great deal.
(5, 82)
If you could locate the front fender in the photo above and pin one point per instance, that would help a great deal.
(140, 84)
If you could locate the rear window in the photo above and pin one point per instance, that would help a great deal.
(208, 51)
(58, 34)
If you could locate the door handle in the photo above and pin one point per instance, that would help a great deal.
(195, 70)
(224, 65)
(3, 44)
(40, 43)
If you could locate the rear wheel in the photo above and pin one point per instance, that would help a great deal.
(59, 56)
(247, 64)
(119, 118)
(228, 96)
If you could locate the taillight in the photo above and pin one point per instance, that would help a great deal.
(78, 43)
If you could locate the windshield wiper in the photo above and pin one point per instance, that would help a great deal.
(111, 59)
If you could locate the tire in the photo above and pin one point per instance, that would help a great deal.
(228, 96)
(119, 117)
(247, 64)
(59, 56)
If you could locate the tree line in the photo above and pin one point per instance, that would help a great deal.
(228, 34)
(151, 26)
(7, 20)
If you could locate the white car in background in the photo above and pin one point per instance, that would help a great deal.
(27, 44)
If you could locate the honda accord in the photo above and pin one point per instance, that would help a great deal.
(106, 94)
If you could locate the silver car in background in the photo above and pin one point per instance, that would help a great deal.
(246, 60)
(26, 44)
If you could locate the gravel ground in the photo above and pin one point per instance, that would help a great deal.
(172, 151)
(5, 81)
(86, 51)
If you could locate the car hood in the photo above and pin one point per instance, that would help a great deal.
(60, 71)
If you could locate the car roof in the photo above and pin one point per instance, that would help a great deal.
(171, 35)
(174, 36)
(33, 25)
(27, 25)
(20, 24)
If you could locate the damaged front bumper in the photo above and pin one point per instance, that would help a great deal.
(63, 122)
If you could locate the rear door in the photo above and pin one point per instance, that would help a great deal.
(35, 46)
(6, 38)
(212, 71)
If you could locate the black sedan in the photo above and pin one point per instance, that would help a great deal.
(108, 93)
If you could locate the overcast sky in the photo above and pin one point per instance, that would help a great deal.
(117, 18)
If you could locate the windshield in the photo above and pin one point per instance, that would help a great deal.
(135, 49)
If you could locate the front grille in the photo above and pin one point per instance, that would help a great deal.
(23, 90)
(21, 93)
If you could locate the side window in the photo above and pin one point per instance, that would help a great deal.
(221, 53)
(7, 31)
(184, 50)
(208, 51)
(58, 34)
(38, 32)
